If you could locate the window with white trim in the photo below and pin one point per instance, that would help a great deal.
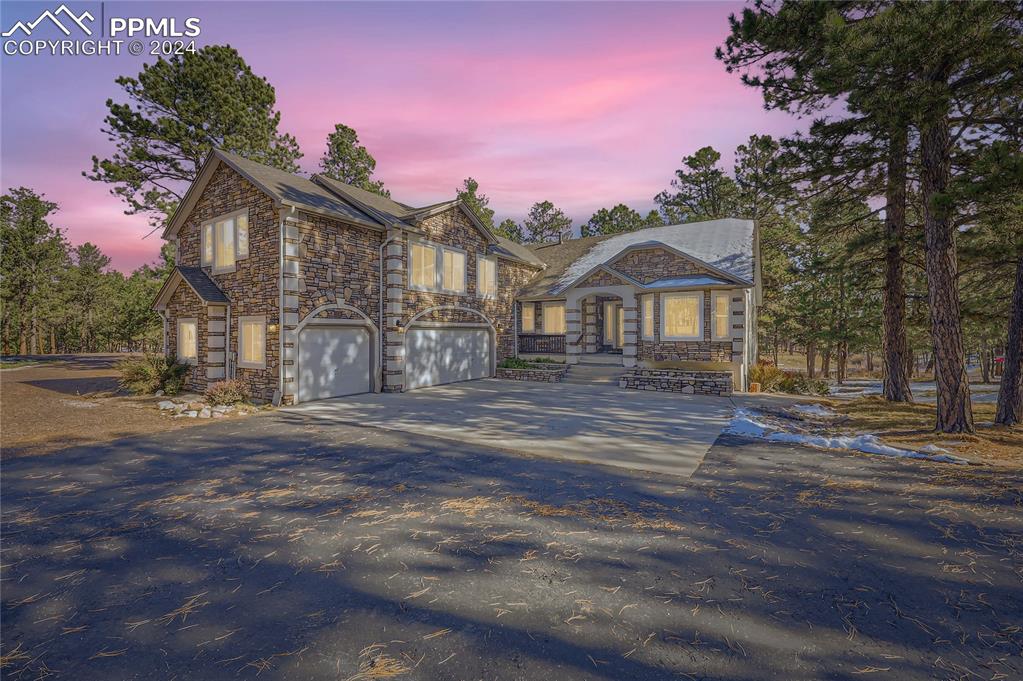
(719, 308)
(188, 340)
(647, 313)
(528, 318)
(252, 342)
(423, 266)
(225, 240)
(554, 318)
(486, 277)
(435, 267)
(682, 316)
(454, 271)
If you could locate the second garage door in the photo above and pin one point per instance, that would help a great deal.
(438, 355)
(333, 361)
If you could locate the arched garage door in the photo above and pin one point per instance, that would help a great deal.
(435, 355)
(333, 361)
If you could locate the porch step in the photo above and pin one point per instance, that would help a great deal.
(582, 374)
(600, 359)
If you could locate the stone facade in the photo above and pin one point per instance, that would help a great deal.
(185, 304)
(601, 278)
(651, 264)
(678, 381)
(253, 285)
(538, 372)
(453, 228)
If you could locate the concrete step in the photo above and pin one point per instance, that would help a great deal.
(600, 360)
(581, 374)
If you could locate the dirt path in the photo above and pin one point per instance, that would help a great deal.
(71, 400)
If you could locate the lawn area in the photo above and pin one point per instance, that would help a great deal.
(912, 426)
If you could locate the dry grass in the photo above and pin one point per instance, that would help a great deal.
(912, 426)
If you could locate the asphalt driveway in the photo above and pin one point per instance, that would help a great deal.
(286, 546)
(602, 424)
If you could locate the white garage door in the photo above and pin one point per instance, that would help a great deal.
(333, 361)
(444, 355)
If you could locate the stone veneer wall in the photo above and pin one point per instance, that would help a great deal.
(454, 228)
(185, 304)
(252, 286)
(536, 373)
(678, 381)
(650, 264)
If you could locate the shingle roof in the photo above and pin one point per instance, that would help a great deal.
(725, 245)
(205, 287)
(292, 189)
(509, 248)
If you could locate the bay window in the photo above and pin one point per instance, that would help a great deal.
(720, 307)
(554, 318)
(486, 277)
(188, 340)
(682, 316)
(225, 240)
(252, 342)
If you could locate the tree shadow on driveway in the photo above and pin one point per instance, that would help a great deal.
(286, 547)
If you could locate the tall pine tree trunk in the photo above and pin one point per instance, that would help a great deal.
(895, 386)
(811, 359)
(955, 413)
(1010, 393)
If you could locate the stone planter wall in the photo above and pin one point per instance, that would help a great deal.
(537, 372)
(683, 381)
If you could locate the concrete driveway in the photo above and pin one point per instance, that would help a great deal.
(658, 432)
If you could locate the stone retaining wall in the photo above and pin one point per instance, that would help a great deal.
(537, 372)
(683, 381)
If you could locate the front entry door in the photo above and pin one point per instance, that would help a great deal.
(614, 325)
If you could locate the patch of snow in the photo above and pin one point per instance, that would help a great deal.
(748, 423)
(691, 280)
(725, 244)
(813, 409)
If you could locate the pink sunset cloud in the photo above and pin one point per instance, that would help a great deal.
(586, 105)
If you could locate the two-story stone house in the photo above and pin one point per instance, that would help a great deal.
(306, 288)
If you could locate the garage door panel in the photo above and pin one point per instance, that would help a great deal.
(435, 356)
(333, 362)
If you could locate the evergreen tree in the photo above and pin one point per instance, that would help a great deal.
(619, 219)
(510, 229)
(478, 203)
(700, 191)
(545, 223)
(177, 111)
(348, 161)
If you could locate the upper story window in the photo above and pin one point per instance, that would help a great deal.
(434, 267)
(682, 316)
(528, 317)
(225, 240)
(486, 277)
(554, 318)
(721, 304)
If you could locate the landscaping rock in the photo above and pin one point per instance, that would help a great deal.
(205, 413)
(166, 404)
(191, 413)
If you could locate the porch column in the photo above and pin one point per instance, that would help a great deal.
(630, 310)
(288, 320)
(394, 336)
(573, 328)
(589, 324)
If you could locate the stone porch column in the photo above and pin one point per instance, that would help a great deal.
(393, 333)
(573, 328)
(589, 324)
(216, 348)
(289, 315)
(630, 349)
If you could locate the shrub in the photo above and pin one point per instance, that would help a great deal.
(151, 372)
(798, 384)
(514, 363)
(226, 392)
(546, 360)
(767, 375)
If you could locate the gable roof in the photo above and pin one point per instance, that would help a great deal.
(197, 280)
(724, 246)
(327, 196)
